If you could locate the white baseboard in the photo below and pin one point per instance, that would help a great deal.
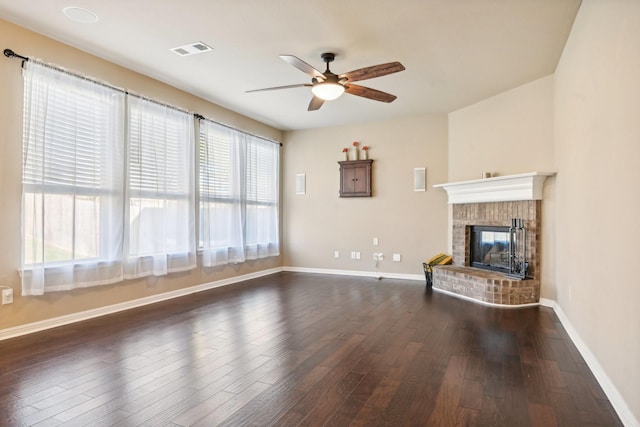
(127, 305)
(614, 396)
(374, 274)
(488, 304)
(547, 303)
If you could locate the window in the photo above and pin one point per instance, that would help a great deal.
(72, 181)
(238, 195)
(160, 236)
(261, 217)
(109, 187)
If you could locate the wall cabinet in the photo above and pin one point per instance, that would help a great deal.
(355, 178)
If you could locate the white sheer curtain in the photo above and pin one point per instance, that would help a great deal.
(72, 182)
(160, 207)
(221, 194)
(261, 210)
(109, 187)
(238, 196)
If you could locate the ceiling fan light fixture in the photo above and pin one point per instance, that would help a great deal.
(328, 90)
(328, 86)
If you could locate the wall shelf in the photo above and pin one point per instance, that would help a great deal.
(525, 186)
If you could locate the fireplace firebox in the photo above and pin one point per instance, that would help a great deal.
(489, 248)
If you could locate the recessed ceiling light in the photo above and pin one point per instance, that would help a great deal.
(191, 49)
(80, 14)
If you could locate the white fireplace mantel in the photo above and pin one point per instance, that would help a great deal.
(524, 186)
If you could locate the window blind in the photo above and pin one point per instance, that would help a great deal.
(238, 195)
(72, 181)
(109, 189)
(160, 235)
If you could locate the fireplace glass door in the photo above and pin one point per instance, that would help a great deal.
(489, 247)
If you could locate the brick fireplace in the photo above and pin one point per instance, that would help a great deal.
(493, 202)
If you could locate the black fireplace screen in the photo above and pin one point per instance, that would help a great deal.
(490, 248)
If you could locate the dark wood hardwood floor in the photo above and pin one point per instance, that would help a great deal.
(304, 349)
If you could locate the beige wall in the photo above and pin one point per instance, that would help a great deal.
(597, 132)
(319, 222)
(508, 134)
(30, 309)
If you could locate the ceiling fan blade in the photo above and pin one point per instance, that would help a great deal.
(373, 71)
(280, 87)
(369, 93)
(303, 66)
(315, 103)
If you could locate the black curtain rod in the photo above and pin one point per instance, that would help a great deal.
(11, 54)
(201, 117)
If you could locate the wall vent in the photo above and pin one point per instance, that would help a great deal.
(191, 49)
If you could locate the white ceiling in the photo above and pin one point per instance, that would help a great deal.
(456, 52)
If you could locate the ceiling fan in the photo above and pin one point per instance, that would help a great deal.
(328, 86)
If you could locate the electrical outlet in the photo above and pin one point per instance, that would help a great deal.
(357, 255)
(353, 254)
(397, 257)
(336, 254)
(7, 296)
(380, 256)
(375, 241)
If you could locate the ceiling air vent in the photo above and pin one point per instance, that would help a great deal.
(191, 49)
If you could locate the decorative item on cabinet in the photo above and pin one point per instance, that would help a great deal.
(355, 178)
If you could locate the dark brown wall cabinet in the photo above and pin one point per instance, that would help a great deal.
(355, 178)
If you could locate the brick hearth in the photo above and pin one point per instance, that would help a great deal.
(489, 286)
